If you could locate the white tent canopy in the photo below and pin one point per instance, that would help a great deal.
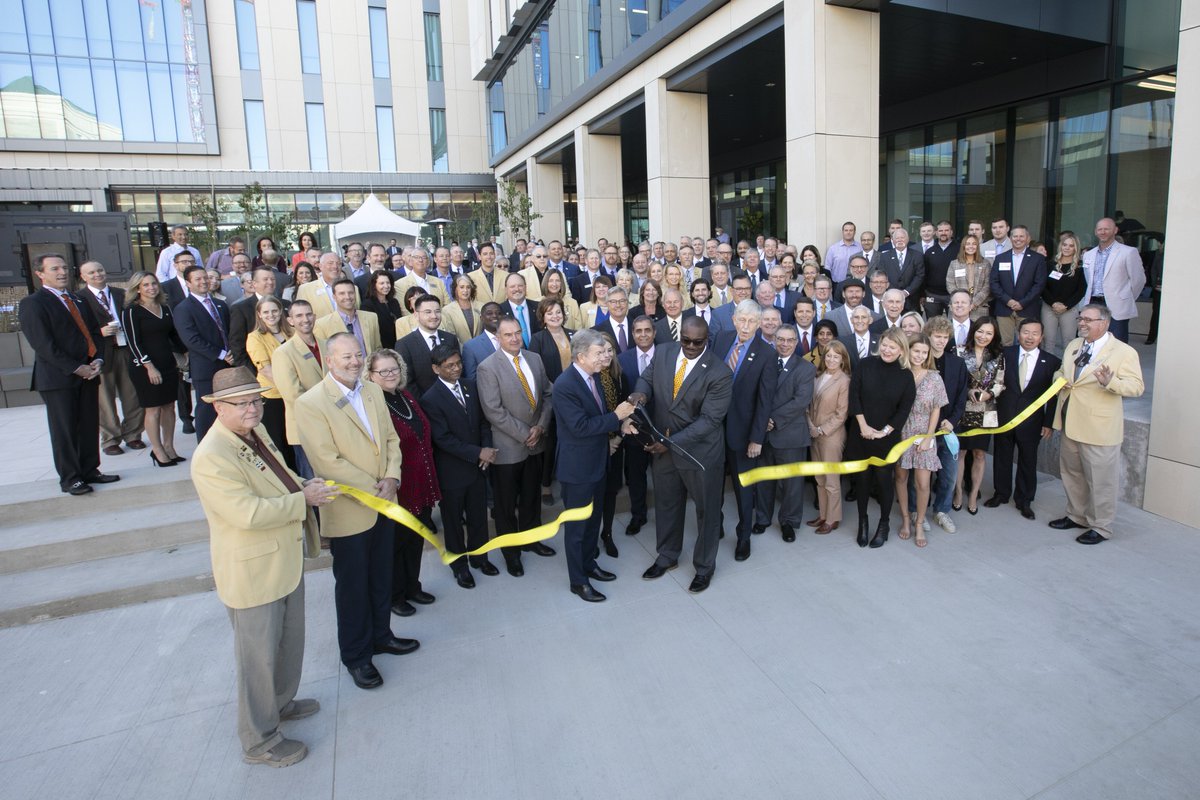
(374, 222)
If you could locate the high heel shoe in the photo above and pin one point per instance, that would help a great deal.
(157, 463)
(610, 547)
(863, 525)
(178, 459)
(881, 534)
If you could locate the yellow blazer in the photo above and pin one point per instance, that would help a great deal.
(314, 292)
(574, 315)
(260, 347)
(715, 300)
(295, 371)
(454, 321)
(340, 449)
(485, 293)
(435, 288)
(259, 532)
(533, 283)
(1096, 415)
(330, 324)
(587, 315)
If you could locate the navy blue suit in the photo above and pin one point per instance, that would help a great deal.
(1026, 437)
(753, 397)
(1027, 290)
(583, 428)
(637, 460)
(205, 343)
(474, 351)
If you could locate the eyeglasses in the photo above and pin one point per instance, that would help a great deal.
(244, 405)
(1088, 320)
(387, 373)
(693, 342)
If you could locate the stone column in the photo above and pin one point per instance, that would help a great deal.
(677, 161)
(832, 120)
(600, 189)
(546, 193)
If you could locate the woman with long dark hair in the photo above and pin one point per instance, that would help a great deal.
(984, 355)
(380, 299)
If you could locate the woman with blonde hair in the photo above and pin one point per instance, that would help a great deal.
(153, 345)
(970, 271)
(912, 323)
(1065, 287)
(461, 315)
(673, 279)
(921, 458)
(271, 329)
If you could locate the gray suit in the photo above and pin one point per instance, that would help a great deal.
(506, 407)
(231, 287)
(695, 421)
(788, 441)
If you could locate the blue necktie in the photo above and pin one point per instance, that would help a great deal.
(524, 324)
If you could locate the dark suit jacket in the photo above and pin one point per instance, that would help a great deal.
(108, 349)
(201, 337)
(606, 328)
(581, 284)
(174, 292)
(629, 367)
(753, 390)
(793, 394)
(583, 429)
(937, 264)
(58, 345)
(1012, 400)
(851, 343)
(531, 308)
(543, 344)
(414, 349)
(1028, 289)
(695, 417)
(458, 433)
(475, 351)
(910, 277)
(954, 375)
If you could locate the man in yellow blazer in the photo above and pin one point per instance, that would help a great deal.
(348, 436)
(489, 281)
(1099, 370)
(348, 318)
(298, 365)
(418, 275)
(260, 530)
(320, 292)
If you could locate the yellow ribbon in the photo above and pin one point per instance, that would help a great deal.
(804, 468)
(397, 513)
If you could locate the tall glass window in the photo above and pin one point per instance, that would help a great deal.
(1081, 160)
(377, 17)
(540, 47)
(318, 152)
(437, 138)
(498, 127)
(256, 134)
(595, 57)
(247, 34)
(433, 48)
(385, 131)
(310, 50)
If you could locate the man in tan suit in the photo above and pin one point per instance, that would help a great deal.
(489, 281)
(298, 365)
(1099, 370)
(320, 292)
(348, 436)
(347, 318)
(418, 275)
(260, 531)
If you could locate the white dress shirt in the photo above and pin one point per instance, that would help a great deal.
(354, 397)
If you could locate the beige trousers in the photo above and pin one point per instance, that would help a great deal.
(117, 385)
(1091, 479)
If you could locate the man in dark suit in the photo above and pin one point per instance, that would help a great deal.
(415, 347)
(905, 268)
(1018, 277)
(581, 284)
(243, 313)
(669, 328)
(584, 425)
(787, 435)
(106, 303)
(688, 391)
(1028, 372)
(755, 376)
(176, 292)
(633, 363)
(203, 325)
(462, 452)
(520, 308)
(65, 338)
(753, 268)
(475, 350)
(722, 316)
(785, 298)
(616, 327)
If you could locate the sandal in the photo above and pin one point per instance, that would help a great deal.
(905, 533)
(921, 540)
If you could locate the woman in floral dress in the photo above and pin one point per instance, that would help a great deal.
(921, 458)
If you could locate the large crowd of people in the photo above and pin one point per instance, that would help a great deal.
(472, 381)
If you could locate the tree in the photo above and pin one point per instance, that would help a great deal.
(205, 221)
(517, 209)
(258, 221)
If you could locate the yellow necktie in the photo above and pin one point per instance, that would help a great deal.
(1023, 370)
(678, 379)
(524, 383)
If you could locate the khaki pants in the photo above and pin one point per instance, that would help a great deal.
(1009, 326)
(117, 385)
(268, 646)
(1090, 478)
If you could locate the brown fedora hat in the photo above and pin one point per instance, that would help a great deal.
(231, 383)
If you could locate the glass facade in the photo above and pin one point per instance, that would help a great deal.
(377, 20)
(751, 200)
(385, 130)
(433, 47)
(437, 139)
(318, 151)
(247, 33)
(256, 135)
(310, 49)
(101, 71)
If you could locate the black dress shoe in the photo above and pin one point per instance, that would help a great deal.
(789, 533)
(635, 526)
(610, 547)
(1064, 524)
(758, 528)
(657, 571)
(423, 598)
(863, 527)
(851, 496)
(396, 646)
(465, 580)
(515, 569)
(742, 551)
(881, 534)
(188, 427)
(995, 502)
(100, 477)
(540, 549)
(699, 583)
(1027, 512)
(1089, 537)
(487, 568)
(403, 609)
(77, 488)
(366, 676)
(601, 575)
(586, 592)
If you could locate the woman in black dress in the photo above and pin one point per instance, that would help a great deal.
(153, 344)
(553, 345)
(380, 299)
(882, 393)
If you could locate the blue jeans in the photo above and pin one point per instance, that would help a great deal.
(1119, 328)
(942, 481)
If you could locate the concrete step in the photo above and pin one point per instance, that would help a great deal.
(57, 542)
(70, 589)
(43, 501)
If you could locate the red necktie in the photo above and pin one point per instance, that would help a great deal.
(804, 343)
(79, 323)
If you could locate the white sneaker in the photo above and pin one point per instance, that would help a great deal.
(943, 519)
(924, 523)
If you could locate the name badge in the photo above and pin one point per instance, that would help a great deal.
(1006, 268)
(1056, 275)
(960, 273)
(307, 355)
(342, 402)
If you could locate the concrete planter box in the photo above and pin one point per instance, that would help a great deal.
(10, 350)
